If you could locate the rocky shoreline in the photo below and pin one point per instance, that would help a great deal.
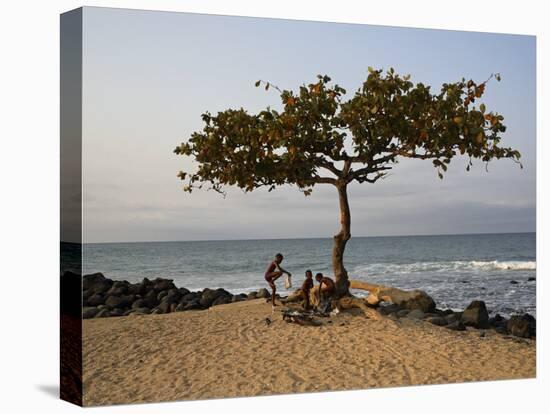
(103, 297)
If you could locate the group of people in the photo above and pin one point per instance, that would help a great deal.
(326, 284)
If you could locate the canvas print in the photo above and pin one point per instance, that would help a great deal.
(261, 206)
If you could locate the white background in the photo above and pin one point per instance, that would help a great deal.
(29, 99)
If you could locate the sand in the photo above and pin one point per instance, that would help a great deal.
(229, 351)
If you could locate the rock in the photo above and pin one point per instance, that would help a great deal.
(151, 298)
(89, 281)
(238, 298)
(421, 300)
(140, 303)
(191, 296)
(532, 279)
(163, 284)
(501, 330)
(402, 313)
(183, 291)
(137, 289)
(89, 312)
(96, 299)
(192, 305)
(164, 307)
(102, 287)
(143, 311)
(452, 317)
(439, 321)
(222, 300)
(416, 314)
(161, 295)
(180, 308)
(251, 295)
(513, 282)
(448, 312)
(456, 326)
(173, 306)
(263, 293)
(86, 294)
(497, 320)
(209, 296)
(116, 312)
(103, 313)
(389, 309)
(475, 315)
(119, 301)
(523, 326)
(117, 290)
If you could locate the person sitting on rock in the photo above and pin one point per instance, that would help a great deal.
(326, 289)
(274, 271)
(306, 288)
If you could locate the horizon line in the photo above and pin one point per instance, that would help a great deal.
(303, 238)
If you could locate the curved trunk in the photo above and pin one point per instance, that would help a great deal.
(340, 240)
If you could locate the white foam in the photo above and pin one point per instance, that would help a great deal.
(512, 265)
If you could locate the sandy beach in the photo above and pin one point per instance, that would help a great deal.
(229, 351)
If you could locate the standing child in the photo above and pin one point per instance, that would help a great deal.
(306, 288)
(274, 272)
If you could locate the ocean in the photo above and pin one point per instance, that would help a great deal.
(453, 269)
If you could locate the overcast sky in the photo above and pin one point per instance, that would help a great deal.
(148, 76)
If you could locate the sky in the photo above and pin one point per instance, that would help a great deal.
(148, 76)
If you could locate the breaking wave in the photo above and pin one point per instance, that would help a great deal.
(454, 266)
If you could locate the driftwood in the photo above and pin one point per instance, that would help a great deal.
(410, 299)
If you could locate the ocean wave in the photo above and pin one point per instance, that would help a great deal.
(511, 265)
(440, 267)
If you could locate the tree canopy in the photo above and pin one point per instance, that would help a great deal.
(321, 137)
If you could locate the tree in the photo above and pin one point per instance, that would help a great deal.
(320, 137)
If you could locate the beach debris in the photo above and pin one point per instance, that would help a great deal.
(514, 282)
(302, 318)
(476, 315)
(532, 279)
(268, 321)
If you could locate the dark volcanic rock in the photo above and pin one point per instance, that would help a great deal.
(209, 296)
(116, 312)
(163, 284)
(96, 299)
(263, 293)
(416, 314)
(513, 282)
(475, 315)
(389, 309)
(402, 313)
(501, 330)
(251, 295)
(102, 287)
(532, 279)
(88, 281)
(222, 300)
(89, 312)
(103, 313)
(238, 298)
(452, 317)
(195, 304)
(439, 321)
(497, 320)
(456, 326)
(119, 301)
(524, 326)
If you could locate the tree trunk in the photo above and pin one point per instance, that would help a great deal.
(340, 240)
